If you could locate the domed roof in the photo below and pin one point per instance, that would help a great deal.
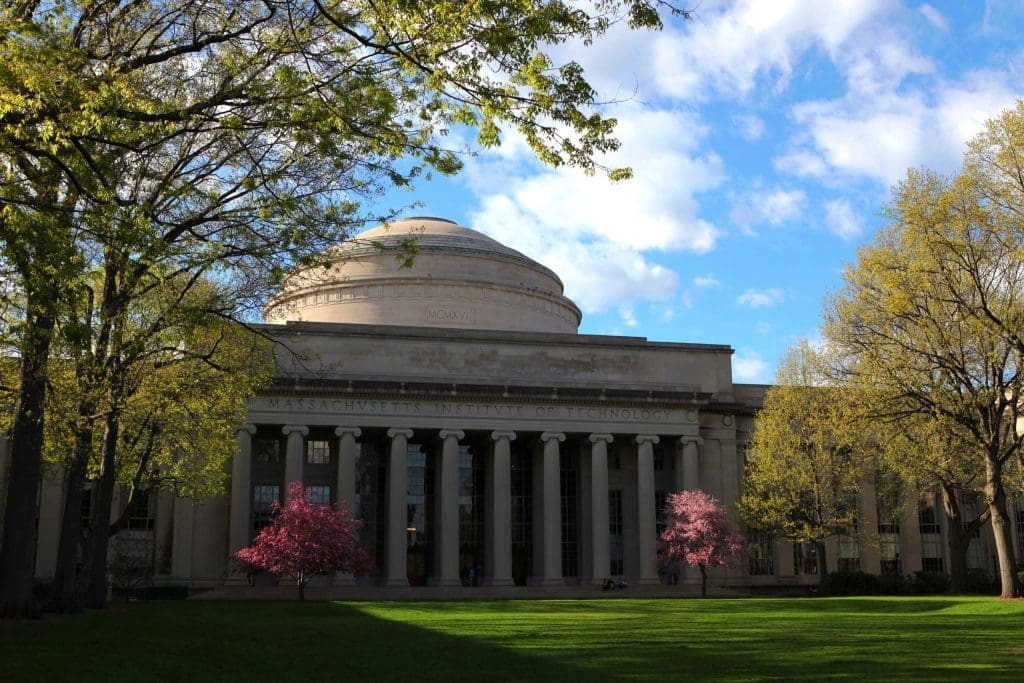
(434, 234)
(458, 277)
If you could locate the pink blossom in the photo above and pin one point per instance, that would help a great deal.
(698, 532)
(304, 540)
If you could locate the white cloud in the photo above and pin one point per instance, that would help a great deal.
(751, 128)
(729, 49)
(841, 220)
(881, 136)
(771, 207)
(749, 366)
(764, 328)
(761, 298)
(598, 274)
(598, 235)
(933, 16)
(705, 281)
(628, 316)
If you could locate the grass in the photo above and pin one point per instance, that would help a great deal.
(910, 639)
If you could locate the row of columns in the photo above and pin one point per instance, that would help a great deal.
(498, 496)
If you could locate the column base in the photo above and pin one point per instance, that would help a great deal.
(343, 579)
(497, 582)
(445, 583)
(542, 581)
(236, 580)
(395, 583)
(649, 581)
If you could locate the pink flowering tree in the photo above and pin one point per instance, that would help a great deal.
(698, 532)
(304, 540)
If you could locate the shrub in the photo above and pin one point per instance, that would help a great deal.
(928, 583)
(850, 583)
(979, 581)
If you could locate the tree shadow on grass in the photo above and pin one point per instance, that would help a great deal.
(255, 642)
(592, 640)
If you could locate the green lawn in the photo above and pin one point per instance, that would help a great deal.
(926, 639)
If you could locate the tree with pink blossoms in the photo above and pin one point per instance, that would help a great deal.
(698, 532)
(304, 540)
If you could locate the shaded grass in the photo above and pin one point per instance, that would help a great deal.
(911, 639)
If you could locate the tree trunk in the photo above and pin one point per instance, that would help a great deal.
(65, 596)
(703, 581)
(96, 591)
(17, 548)
(961, 532)
(1010, 586)
(819, 546)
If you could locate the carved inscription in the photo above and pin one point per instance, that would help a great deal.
(462, 316)
(472, 410)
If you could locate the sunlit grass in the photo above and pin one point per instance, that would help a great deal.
(910, 639)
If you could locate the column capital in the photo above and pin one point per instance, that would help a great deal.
(396, 431)
(498, 436)
(607, 438)
(644, 438)
(301, 429)
(548, 436)
(251, 428)
(687, 440)
(449, 433)
(342, 431)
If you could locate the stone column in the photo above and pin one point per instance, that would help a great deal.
(182, 536)
(294, 456)
(647, 532)
(551, 511)
(870, 552)
(600, 554)
(446, 558)
(691, 466)
(396, 571)
(241, 492)
(348, 449)
(499, 508)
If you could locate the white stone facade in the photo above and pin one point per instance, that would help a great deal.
(455, 408)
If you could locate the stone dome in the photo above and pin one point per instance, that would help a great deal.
(459, 278)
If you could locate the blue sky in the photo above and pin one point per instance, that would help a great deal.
(764, 136)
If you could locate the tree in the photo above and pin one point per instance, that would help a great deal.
(807, 458)
(244, 137)
(304, 540)
(926, 454)
(698, 532)
(183, 379)
(931, 316)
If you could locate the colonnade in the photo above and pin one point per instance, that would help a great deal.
(498, 500)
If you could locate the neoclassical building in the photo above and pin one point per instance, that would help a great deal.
(454, 407)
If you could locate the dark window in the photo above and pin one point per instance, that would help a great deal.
(570, 528)
(318, 495)
(318, 452)
(660, 513)
(761, 553)
(522, 514)
(471, 515)
(370, 502)
(263, 499)
(616, 553)
(805, 558)
(267, 450)
(140, 515)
